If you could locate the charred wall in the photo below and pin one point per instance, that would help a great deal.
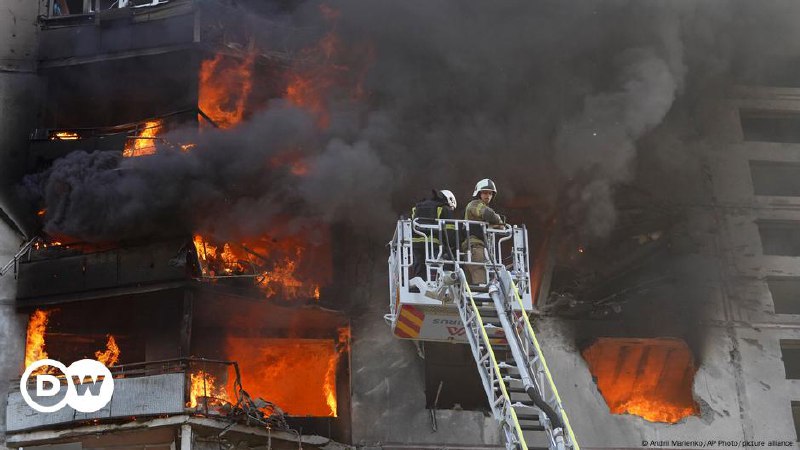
(20, 93)
(121, 91)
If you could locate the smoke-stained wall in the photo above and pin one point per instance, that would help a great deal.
(20, 91)
(20, 87)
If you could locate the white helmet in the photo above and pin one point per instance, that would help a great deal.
(484, 185)
(451, 199)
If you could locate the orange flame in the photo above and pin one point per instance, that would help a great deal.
(650, 378)
(203, 384)
(110, 356)
(34, 344)
(342, 346)
(147, 144)
(298, 375)
(310, 85)
(275, 265)
(64, 136)
(225, 85)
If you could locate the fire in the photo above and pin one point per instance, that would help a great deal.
(110, 356)
(310, 85)
(41, 244)
(225, 85)
(298, 375)
(282, 279)
(280, 268)
(203, 384)
(64, 136)
(34, 344)
(650, 378)
(145, 142)
(342, 346)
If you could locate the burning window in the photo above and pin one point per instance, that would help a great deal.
(44, 341)
(649, 378)
(298, 375)
(785, 293)
(286, 268)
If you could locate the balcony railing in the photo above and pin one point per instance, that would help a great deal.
(195, 386)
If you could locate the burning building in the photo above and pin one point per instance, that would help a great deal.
(199, 195)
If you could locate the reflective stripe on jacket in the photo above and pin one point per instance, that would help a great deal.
(479, 211)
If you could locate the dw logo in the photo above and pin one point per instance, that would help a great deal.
(93, 397)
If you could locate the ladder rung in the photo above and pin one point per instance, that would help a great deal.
(531, 428)
(515, 390)
(528, 416)
(524, 404)
(488, 311)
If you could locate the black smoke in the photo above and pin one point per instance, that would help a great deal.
(552, 100)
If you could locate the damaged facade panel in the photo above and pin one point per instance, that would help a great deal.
(146, 396)
(62, 273)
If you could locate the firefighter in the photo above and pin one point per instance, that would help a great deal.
(440, 206)
(478, 209)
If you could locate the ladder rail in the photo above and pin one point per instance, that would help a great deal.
(548, 417)
(501, 404)
(530, 366)
(545, 370)
(538, 372)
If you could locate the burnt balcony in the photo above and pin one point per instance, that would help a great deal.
(86, 31)
(161, 399)
(61, 273)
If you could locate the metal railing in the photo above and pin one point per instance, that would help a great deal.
(447, 246)
(211, 387)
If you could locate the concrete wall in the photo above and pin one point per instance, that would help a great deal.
(12, 326)
(388, 382)
(19, 93)
(20, 89)
(741, 383)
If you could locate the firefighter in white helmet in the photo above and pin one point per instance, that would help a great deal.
(440, 206)
(478, 209)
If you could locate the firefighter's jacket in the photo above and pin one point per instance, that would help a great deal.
(431, 210)
(477, 210)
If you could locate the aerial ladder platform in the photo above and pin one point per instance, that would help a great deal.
(492, 318)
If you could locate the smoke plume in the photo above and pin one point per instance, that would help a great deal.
(548, 99)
